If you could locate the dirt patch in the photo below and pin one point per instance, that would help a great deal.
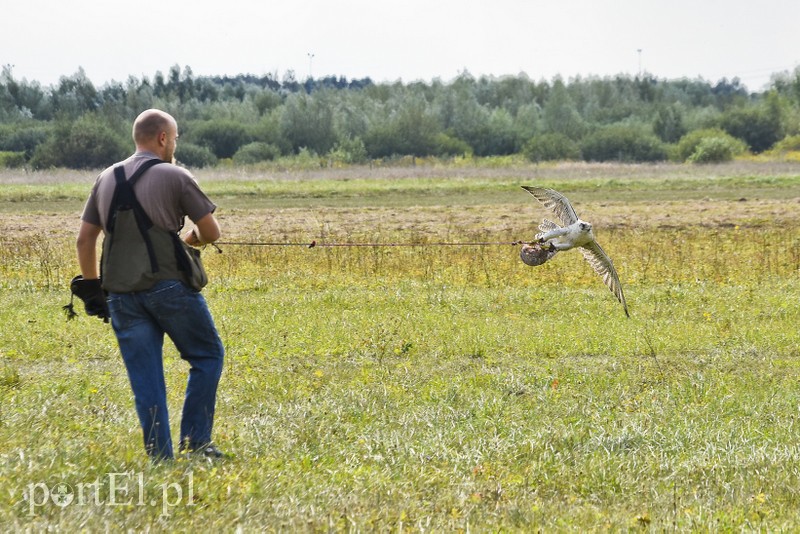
(501, 221)
(449, 222)
(490, 221)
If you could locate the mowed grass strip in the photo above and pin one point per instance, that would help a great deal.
(429, 185)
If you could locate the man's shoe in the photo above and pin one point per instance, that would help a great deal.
(209, 450)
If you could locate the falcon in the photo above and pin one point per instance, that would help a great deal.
(575, 233)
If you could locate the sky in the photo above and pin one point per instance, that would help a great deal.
(402, 40)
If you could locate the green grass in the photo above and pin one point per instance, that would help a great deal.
(436, 388)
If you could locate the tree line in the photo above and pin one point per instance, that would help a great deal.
(248, 119)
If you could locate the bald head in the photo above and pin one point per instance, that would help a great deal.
(149, 124)
(156, 131)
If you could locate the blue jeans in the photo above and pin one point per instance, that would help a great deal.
(140, 321)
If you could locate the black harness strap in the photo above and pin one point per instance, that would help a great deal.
(124, 198)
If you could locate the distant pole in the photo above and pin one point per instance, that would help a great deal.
(639, 50)
(310, 60)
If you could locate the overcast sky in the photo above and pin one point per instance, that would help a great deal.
(405, 40)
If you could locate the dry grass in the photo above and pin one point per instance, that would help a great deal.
(435, 169)
(642, 196)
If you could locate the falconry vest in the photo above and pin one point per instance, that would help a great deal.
(136, 253)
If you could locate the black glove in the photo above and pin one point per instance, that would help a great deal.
(92, 295)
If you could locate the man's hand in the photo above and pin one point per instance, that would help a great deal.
(205, 231)
(92, 295)
(191, 238)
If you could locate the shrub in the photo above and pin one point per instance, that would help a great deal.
(305, 159)
(412, 131)
(787, 144)
(551, 147)
(268, 130)
(266, 101)
(497, 136)
(307, 122)
(195, 156)
(222, 137)
(255, 153)
(447, 145)
(757, 127)
(17, 138)
(12, 160)
(668, 124)
(690, 143)
(713, 150)
(87, 143)
(350, 151)
(622, 143)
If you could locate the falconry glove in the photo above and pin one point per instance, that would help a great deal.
(92, 295)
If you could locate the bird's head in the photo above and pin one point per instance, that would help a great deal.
(586, 229)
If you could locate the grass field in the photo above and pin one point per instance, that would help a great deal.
(430, 388)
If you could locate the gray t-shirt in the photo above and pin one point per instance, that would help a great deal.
(166, 192)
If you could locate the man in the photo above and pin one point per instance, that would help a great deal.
(141, 316)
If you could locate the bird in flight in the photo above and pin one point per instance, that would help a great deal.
(575, 233)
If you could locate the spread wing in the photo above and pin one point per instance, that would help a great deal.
(547, 225)
(554, 201)
(602, 265)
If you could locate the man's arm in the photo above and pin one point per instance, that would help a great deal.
(206, 231)
(87, 250)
